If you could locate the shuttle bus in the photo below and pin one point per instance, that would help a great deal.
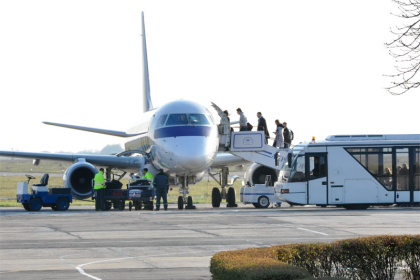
(353, 171)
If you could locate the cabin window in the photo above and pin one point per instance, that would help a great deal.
(161, 120)
(198, 119)
(177, 119)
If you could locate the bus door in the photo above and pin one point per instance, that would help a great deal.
(316, 176)
(406, 174)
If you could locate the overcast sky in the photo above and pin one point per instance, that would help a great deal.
(317, 65)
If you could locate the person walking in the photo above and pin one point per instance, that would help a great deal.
(99, 187)
(161, 184)
(262, 126)
(287, 136)
(242, 120)
(279, 140)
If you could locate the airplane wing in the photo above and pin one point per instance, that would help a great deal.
(100, 160)
(96, 130)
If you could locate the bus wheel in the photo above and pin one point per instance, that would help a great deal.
(263, 202)
(356, 206)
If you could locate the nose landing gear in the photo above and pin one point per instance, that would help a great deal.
(184, 199)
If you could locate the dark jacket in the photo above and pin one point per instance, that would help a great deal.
(286, 135)
(161, 181)
(262, 126)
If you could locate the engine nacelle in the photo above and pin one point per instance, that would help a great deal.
(255, 174)
(78, 178)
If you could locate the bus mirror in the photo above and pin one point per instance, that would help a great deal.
(289, 160)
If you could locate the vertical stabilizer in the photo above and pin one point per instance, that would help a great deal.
(147, 99)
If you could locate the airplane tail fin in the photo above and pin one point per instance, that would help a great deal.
(147, 99)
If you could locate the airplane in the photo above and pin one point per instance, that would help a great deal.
(181, 137)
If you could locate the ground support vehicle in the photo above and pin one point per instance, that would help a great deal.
(353, 171)
(140, 194)
(58, 199)
(115, 197)
(260, 195)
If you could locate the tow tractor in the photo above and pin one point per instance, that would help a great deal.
(58, 199)
(260, 195)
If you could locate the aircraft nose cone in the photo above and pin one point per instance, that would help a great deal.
(192, 156)
(195, 157)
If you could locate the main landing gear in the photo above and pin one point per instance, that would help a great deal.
(230, 195)
(184, 199)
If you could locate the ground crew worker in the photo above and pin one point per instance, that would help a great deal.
(161, 183)
(147, 175)
(98, 187)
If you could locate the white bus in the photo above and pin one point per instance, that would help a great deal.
(353, 171)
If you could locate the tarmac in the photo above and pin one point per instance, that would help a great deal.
(177, 244)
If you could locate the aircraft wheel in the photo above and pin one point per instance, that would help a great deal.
(121, 205)
(189, 201)
(108, 205)
(62, 204)
(180, 203)
(231, 197)
(35, 204)
(215, 197)
(130, 205)
(263, 202)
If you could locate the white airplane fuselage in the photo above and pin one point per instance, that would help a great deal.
(182, 138)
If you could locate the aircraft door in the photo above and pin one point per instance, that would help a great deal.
(317, 178)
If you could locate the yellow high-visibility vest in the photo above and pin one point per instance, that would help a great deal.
(99, 180)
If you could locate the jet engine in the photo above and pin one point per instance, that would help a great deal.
(78, 178)
(256, 173)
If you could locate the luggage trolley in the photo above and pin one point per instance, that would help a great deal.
(140, 193)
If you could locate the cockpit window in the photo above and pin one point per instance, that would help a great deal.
(177, 119)
(198, 119)
(161, 120)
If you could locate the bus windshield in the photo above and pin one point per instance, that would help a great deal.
(297, 173)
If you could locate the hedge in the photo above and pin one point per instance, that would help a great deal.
(253, 264)
(375, 257)
(359, 258)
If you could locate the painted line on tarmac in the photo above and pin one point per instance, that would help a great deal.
(312, 231)
(80, 269)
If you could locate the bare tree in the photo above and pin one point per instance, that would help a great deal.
(406, 48)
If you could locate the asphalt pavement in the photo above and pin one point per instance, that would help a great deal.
(84, 244)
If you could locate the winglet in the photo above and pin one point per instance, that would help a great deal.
(147, 99)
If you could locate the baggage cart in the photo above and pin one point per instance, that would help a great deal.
(140, 194)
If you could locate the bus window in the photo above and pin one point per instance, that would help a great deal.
(403, 171)
(297, 173)
(377, 161)
(416, 169)
(318, 167)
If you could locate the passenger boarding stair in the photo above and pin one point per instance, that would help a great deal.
(249, 145)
